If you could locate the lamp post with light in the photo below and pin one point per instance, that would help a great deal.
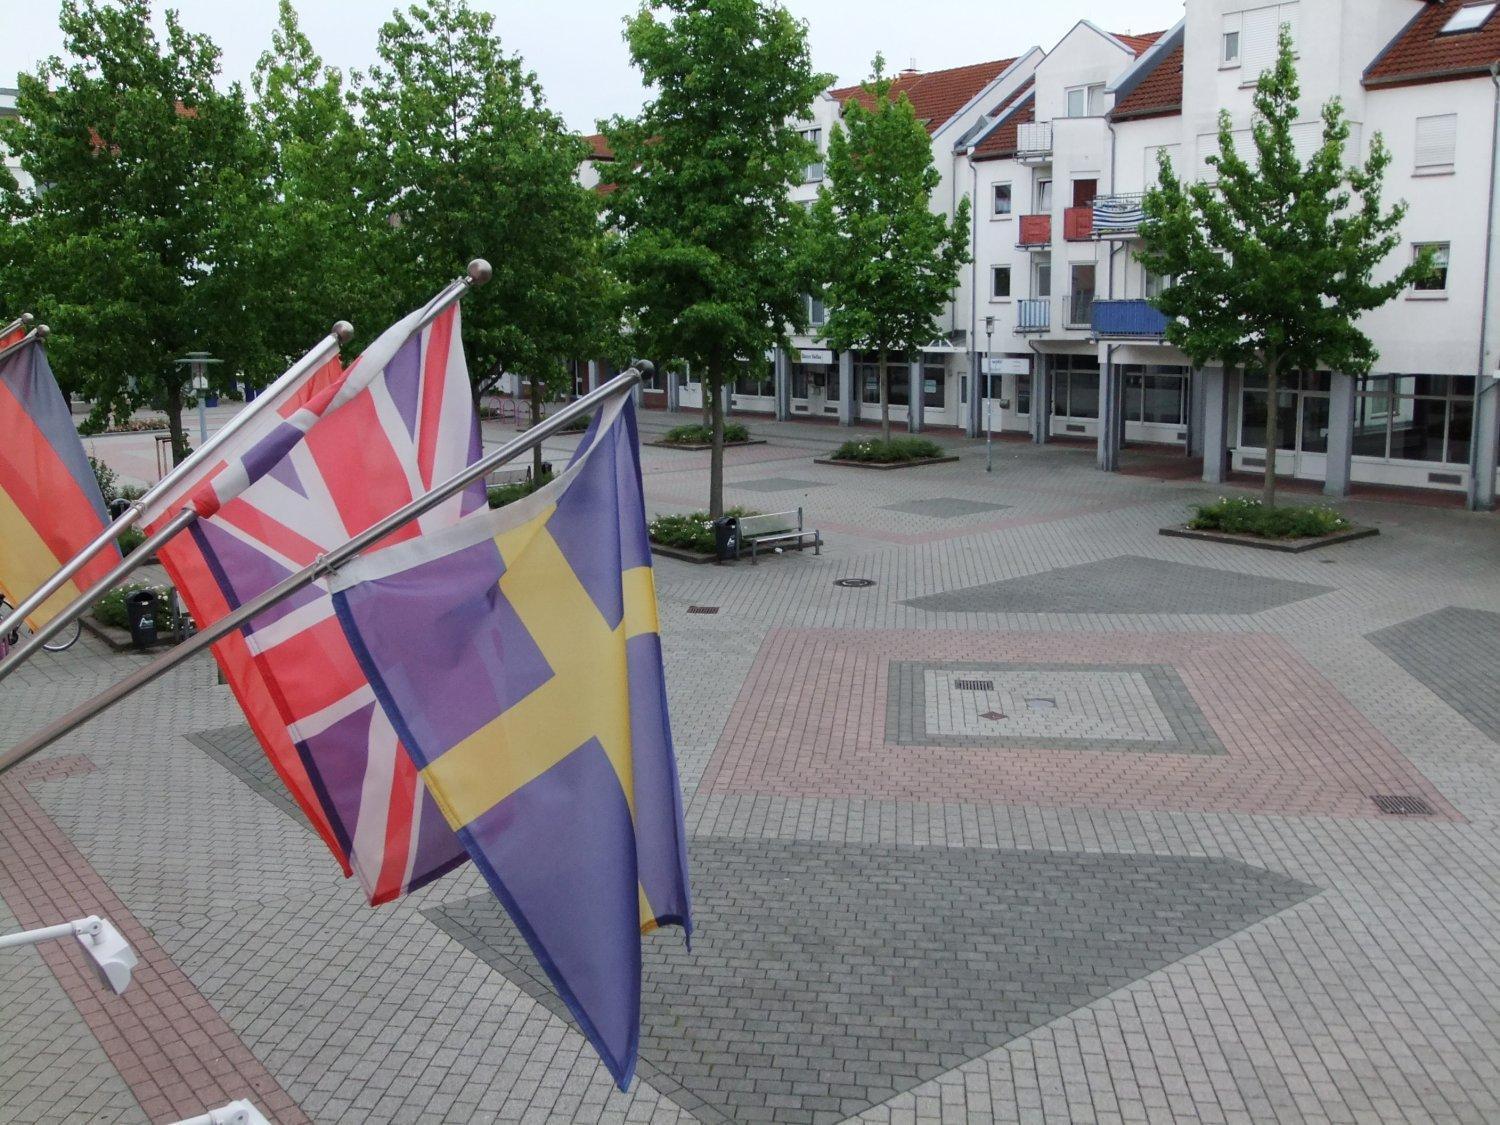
(989, 399)
(197, 363)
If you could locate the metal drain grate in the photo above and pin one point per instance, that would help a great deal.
(854, 583)
(1402, 805)
(974, 685)
(993, 716)
(703, 609)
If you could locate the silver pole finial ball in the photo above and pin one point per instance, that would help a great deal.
(27, 318)
(645, 367)
(480, 271)
(343, 330)
(42, 331)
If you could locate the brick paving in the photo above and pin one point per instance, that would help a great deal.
(1085, 924)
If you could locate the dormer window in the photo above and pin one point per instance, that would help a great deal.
(1471, 17)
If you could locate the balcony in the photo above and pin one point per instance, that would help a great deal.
(1034, 314)
(1130, 320)
(1034, 142)
(1118, 216)
(1078, 310)
(1078, 224)
(1035, 232)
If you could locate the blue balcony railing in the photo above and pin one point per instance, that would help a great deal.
(1034, 314)
(1137, 319)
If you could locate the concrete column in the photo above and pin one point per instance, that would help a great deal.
(1110, 416)
(781, 368)
(1215, 424)
(1195, 413)
(978, 387)
(848, 393)
(1340, 455)
(1486, 444)
(1041, 401)
(674, 392)
(916, 401)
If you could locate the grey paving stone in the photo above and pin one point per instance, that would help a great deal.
(884, 967)
(1126, 584)
(1455, 653)
(774, 484)
(944, 507)
(235, 748)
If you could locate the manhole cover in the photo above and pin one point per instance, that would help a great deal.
(854, 583)
(1402, 805)
(974, 685)
(703, 609)
(1041, 704)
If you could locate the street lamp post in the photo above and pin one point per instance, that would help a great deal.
(197, 363)
(989, 399)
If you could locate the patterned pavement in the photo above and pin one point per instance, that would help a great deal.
(1059, 819)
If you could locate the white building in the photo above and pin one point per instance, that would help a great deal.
(12, 164)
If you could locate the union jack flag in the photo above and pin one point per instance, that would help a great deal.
(399, 421)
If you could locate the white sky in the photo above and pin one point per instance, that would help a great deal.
(575, 46)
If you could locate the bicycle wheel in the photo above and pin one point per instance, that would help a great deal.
(13, 633)
(65, 639)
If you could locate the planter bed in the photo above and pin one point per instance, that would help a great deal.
(682, 554)
(118, 639)
(917, 463)
(699, 447)
(1266, 543)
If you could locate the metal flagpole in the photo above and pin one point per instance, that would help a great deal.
(40, 332)
(128, 518)
(20, 322)
(478, 272)
(327, 564)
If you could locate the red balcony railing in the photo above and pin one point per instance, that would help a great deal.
(1036, 230)
(1078, 223)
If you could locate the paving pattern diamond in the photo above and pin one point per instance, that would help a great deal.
(774, 484)
(807, 997)
(944, 507)
(1456, 653)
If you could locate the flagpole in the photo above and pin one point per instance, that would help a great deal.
(478, 272)
(40, 332)
(127, 519)
(327, 564)
(20, 322)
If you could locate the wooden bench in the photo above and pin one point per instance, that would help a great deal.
(776, 530)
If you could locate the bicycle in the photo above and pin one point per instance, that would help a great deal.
(13, 633)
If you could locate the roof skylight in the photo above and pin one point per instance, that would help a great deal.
(1471, 17)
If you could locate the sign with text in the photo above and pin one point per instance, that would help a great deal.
(815, 355)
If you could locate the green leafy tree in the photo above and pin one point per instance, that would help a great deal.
(314, 236)
(891, 262)
(138, 246)
(711, 244)
(465, 160)
(1273, 265)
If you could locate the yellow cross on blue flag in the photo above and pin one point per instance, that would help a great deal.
(517, 654)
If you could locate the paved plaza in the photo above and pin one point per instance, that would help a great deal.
(1057, 818)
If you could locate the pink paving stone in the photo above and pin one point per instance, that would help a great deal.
(1294, 745)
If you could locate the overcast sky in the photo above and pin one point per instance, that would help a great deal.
(576, 49)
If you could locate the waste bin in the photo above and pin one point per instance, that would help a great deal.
(726, 538)
(140, 611)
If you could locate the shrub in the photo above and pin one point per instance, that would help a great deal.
(109, 480)
(888, 452)
(130, 539)
(503, 494)
(1243, 515)
(90, 427)
(699, 434)
(692, 532)
(110, 609)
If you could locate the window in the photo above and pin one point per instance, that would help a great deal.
(756, 380)
(1471, 17)
(1230, 56)
(1043, 197)
(1023, 393)
(1041, 276)
(1437, 141)
(814, 172)
(816, 313)
(1086, 101)
(1160, 399)
(1075, 386)
(1260, 30)
(1000, 283)
(1002, 200)
(1153, 285)
(1437, 280)
(1081, 296)
(1414, 418)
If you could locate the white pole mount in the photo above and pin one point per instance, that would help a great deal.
(113, 958)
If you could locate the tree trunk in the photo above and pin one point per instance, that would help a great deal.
(1273, 437)
(885, 399)
(713, 386)
(536, 417)
(706, 406)
(174, 423)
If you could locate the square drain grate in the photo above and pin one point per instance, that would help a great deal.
(1403, 805)
(703, 609)
(974, 685)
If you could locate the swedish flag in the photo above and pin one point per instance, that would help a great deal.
(517, 655)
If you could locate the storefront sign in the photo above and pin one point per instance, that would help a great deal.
(1007, 365)
(815, 355)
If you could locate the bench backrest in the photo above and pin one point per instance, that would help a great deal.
(771, 523)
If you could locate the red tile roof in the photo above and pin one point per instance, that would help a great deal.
(1159, 93)
(935, 96)
(1139, 43)
(1421, 52)
(600, 146)
(1002, 142)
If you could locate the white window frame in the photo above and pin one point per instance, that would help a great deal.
(1093, 100)
(1446, 253)
(1288, 12)
(813, 173)
(1441, 129)
(1479, 18)
(1010, 200)
(1042, 203)
(1229, 61)
(995, 272)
